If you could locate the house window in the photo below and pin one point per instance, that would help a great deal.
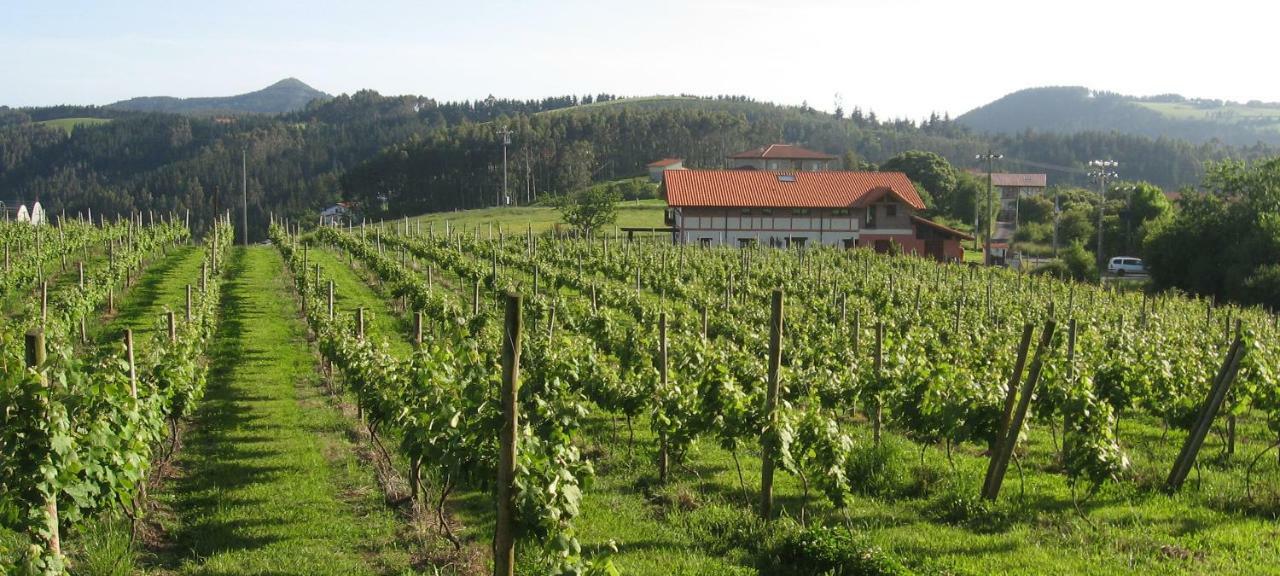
(746, 211)
(871, 216)
(890, 210)
(800, 211)
(766, 211)
(773, 165)
(840, 212)
(705, 242)
(796, 242)
(746, 242)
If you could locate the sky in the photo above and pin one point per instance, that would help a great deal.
(900, 58)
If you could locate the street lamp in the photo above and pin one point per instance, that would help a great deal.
(990, 158)
(1102, 171)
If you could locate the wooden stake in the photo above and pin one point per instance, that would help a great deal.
(1000, 462)
(768, 442)
(35, 358)
(504, 552)
(1217, 395)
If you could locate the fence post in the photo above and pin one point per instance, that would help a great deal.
(769, 440)
(417, 329)
(663, 455)
(504, 552)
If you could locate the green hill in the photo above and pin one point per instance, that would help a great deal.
(1073, 109)
(286, 95)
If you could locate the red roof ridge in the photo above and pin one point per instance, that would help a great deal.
(765, 189)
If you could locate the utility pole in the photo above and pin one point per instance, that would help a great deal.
(1102, 171)
(244, 188)
(505, 132)
(986, 245)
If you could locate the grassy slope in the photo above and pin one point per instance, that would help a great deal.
(69, 124)
(516, 220)
(270, 485)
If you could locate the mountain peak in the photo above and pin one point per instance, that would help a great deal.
(286, 95)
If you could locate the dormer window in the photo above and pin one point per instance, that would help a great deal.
(890, 209)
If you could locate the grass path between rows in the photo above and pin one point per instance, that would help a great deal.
(270, 484)
(163, 285)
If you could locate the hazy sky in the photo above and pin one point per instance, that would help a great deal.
(897, 57)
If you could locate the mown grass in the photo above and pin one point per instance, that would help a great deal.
(269, 483)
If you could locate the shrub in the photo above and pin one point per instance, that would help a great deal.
(828, 551)
(878, 470)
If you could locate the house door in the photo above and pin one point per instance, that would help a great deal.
(882, 246)
(934, 248)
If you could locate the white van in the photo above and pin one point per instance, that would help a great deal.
(1121, 265)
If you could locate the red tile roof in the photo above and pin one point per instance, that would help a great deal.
(766, 189)
(782, 152)
(664, 162)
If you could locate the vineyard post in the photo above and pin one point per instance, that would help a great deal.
(1010, 399)
(857, 332)
(360, 322)
(7, 265)
(44, 303)
(1071, 371)
(204, 276)
(877, 416)
(595, 303)
(331, 300)
(111, 299)
(1217, 395)
(133, 371)
(417, 329)
(35, 357)
(768, 440)
(704, 322)
(663, 456)
(1000, 462)
(475, 299)
(188, 303)
(80, 266)
(504, 552)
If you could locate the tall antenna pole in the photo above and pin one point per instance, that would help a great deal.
(1102, 170)
(986, 246)
(244, 188)
(505, 132)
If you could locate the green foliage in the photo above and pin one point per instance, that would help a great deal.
(589, 210)
(1223, 243)
(931, 171)
(1079, 262)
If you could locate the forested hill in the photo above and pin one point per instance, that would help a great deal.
(287, 95)
(1076, 109)
(425, 155)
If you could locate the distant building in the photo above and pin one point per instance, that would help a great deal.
(742, 207)
(1015, 186)
(335, 215)
(657, 168)
(784, 157)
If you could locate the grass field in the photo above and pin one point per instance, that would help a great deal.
(69, 124)
(1263, 118)
(515, 220)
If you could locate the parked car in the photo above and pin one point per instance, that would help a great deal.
(1121, 265)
